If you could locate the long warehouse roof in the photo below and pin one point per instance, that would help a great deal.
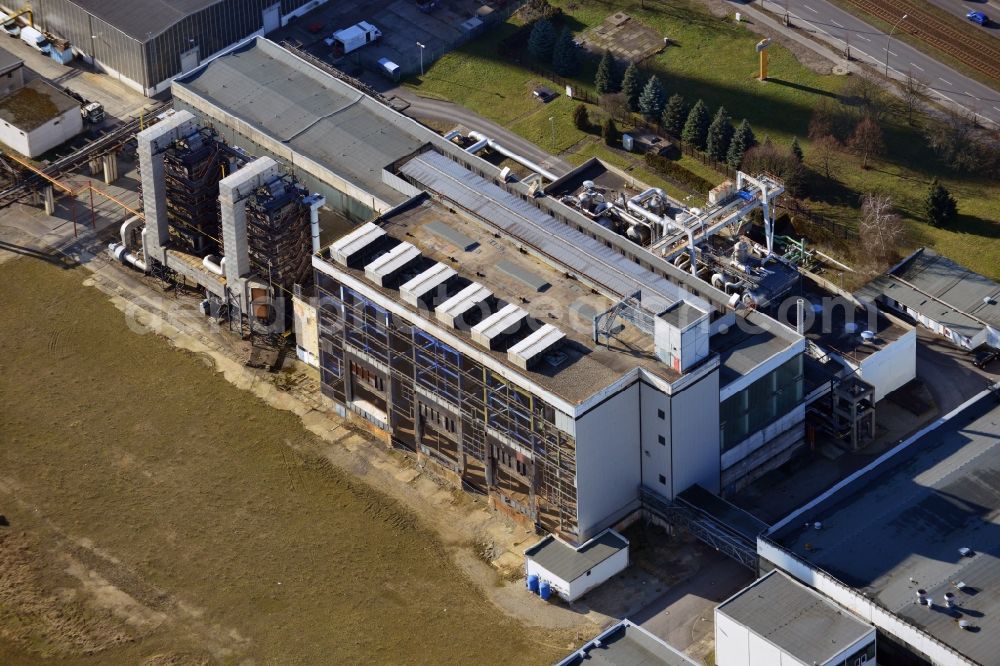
(314, 114)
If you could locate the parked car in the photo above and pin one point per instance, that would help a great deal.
(544, 94)
(977, 17)
(981, 359)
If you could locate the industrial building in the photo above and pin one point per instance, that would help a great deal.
(626, 644)
(37, 117)
(11, 72)
(942, 295)
(569, 345)
(572, 571)
(779, 621)
(911, 543)
(146, 44)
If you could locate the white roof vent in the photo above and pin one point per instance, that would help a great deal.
(867, 336)
(966, 552)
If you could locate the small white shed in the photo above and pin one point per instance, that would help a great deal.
(572, 572)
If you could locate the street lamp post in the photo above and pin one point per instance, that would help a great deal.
(422, 47)
(889, 42)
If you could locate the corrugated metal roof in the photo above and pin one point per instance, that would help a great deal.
(931, 308)
(569, 563)
(498, 323)
(355, 241)
(319, 117)
(952, 284)
(538, 342)
(426, 281)
(140, 20)
(394, 260)
(800, 621)
(462, 302)
(577, 252)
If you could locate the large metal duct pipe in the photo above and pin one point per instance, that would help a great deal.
(520, 159)
(315, 202)
(122, 254)
(215, 264)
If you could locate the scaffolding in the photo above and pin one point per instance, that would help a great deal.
(193, 167)
(278, 234)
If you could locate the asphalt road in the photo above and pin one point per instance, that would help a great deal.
(422, 107)
(961, 7)
(872, 46)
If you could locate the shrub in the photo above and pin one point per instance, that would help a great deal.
(581, 119)
(610, 133)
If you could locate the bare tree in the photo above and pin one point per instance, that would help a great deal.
(881, 229)
(867, 95)
(957, 142)
(913, 91)
(824, 153)
(867, 140)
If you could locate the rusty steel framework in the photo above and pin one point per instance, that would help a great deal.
(193, 167)
(278, 234)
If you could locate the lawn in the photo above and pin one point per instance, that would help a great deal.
(714, 59)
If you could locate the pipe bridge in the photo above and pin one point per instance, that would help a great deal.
(688, 511)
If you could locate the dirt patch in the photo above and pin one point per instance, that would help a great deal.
(193, 523)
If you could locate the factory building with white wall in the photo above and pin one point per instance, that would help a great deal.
(537, 354)
(778, 621)
(146, 44)
(37, 117)
(943, 296)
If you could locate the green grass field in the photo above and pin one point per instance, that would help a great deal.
(714, 59)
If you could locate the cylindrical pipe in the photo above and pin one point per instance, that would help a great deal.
(121, 253)
(800, 316)
(314, 201)
(215, 264)
(520, 159)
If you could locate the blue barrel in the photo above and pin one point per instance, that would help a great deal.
(533, 584)
(544, 591)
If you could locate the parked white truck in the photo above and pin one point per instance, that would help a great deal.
(35, 39)
(353, 38)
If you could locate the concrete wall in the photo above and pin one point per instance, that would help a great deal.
(599, 574)
(12, 80)
(656, 459)
(306, 331)
(892, 366)
(45, 137)
(607, 462)
(694, 435)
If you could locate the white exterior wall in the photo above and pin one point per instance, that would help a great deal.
(607, 462)
(731, 641)
(655, 456)
(892, 366)
(599, 574)
(44, 137)
(558, 585)
(694, 436)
